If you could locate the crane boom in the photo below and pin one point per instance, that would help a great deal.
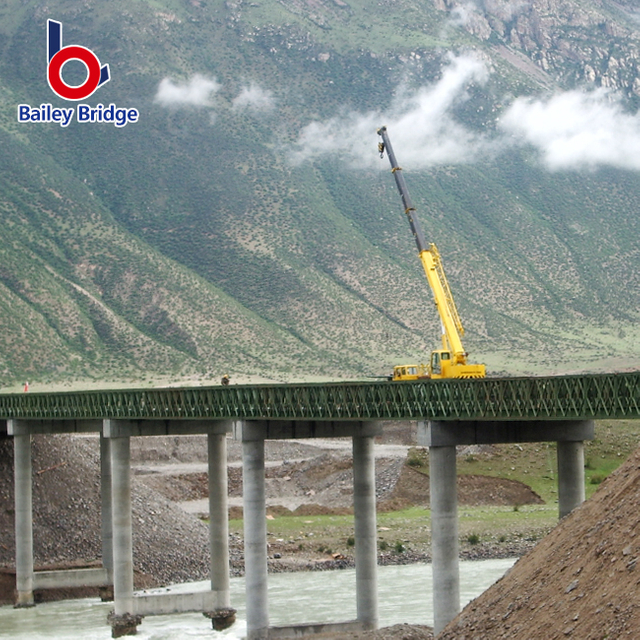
(451, 361)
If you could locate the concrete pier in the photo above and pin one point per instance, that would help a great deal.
(444, 536)
(442, 437)
(129, 608)
(253, 434)
(123, 621)
(571, 488)
(366, 552)
(222, 616)
(23, 516)
(106, 530)
(255, 539)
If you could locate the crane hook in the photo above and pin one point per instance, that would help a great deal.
(381, 149)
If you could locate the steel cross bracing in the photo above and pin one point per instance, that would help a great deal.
(556, 397)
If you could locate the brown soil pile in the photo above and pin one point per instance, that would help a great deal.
(412, 488)
(581, 581)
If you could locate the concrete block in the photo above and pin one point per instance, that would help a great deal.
(158, 604)
(253, 430)
(464, 432)
(96, 577)
(152, 427)
(31, 426)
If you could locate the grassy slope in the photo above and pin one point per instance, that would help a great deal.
(532, 464)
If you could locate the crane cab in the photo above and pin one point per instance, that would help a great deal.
(443, 364)
(439, 365)
(410, 372)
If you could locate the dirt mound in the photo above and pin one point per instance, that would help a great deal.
(581, 581)
(187, 486)
(412, 488)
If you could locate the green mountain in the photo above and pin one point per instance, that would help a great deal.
(245, 224)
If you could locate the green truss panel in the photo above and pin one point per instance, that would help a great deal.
(558, 397)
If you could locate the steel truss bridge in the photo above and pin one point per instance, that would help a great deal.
(597, 396)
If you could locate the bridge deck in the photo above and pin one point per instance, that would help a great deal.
(594, 396)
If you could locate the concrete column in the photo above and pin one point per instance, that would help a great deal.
(23, 520)
(224, 616)
(106, 514)
(364, 508)
(123, 621)
(444, 536)
(571, 490)
(255, 539)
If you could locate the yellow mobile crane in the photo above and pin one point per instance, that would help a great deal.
(451, 360)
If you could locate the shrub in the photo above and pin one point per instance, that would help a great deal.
(416, 457)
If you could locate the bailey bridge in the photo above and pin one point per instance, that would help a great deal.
(449, 412)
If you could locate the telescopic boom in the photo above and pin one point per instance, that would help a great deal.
(451, 361)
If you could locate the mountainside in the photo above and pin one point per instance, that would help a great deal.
(245, 224)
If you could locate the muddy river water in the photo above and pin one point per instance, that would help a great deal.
(404, 596)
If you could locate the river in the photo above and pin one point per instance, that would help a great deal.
(327, 596)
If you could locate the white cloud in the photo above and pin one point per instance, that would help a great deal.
(197, 92)
(420, 123)
(461, 14)
(574, 129)
(254, 97)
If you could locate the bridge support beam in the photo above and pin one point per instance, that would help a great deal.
(223, 616)
(442, 437)
(444, 536)
(129, 608)
(123, 621)
(571, 489)
(23, 515)
(253, 434)
(255, 539)
(366, 552)
(106, 593)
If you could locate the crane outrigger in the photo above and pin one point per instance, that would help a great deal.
(451, 360)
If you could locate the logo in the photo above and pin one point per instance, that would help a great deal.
(58, 56)
(97, 75)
